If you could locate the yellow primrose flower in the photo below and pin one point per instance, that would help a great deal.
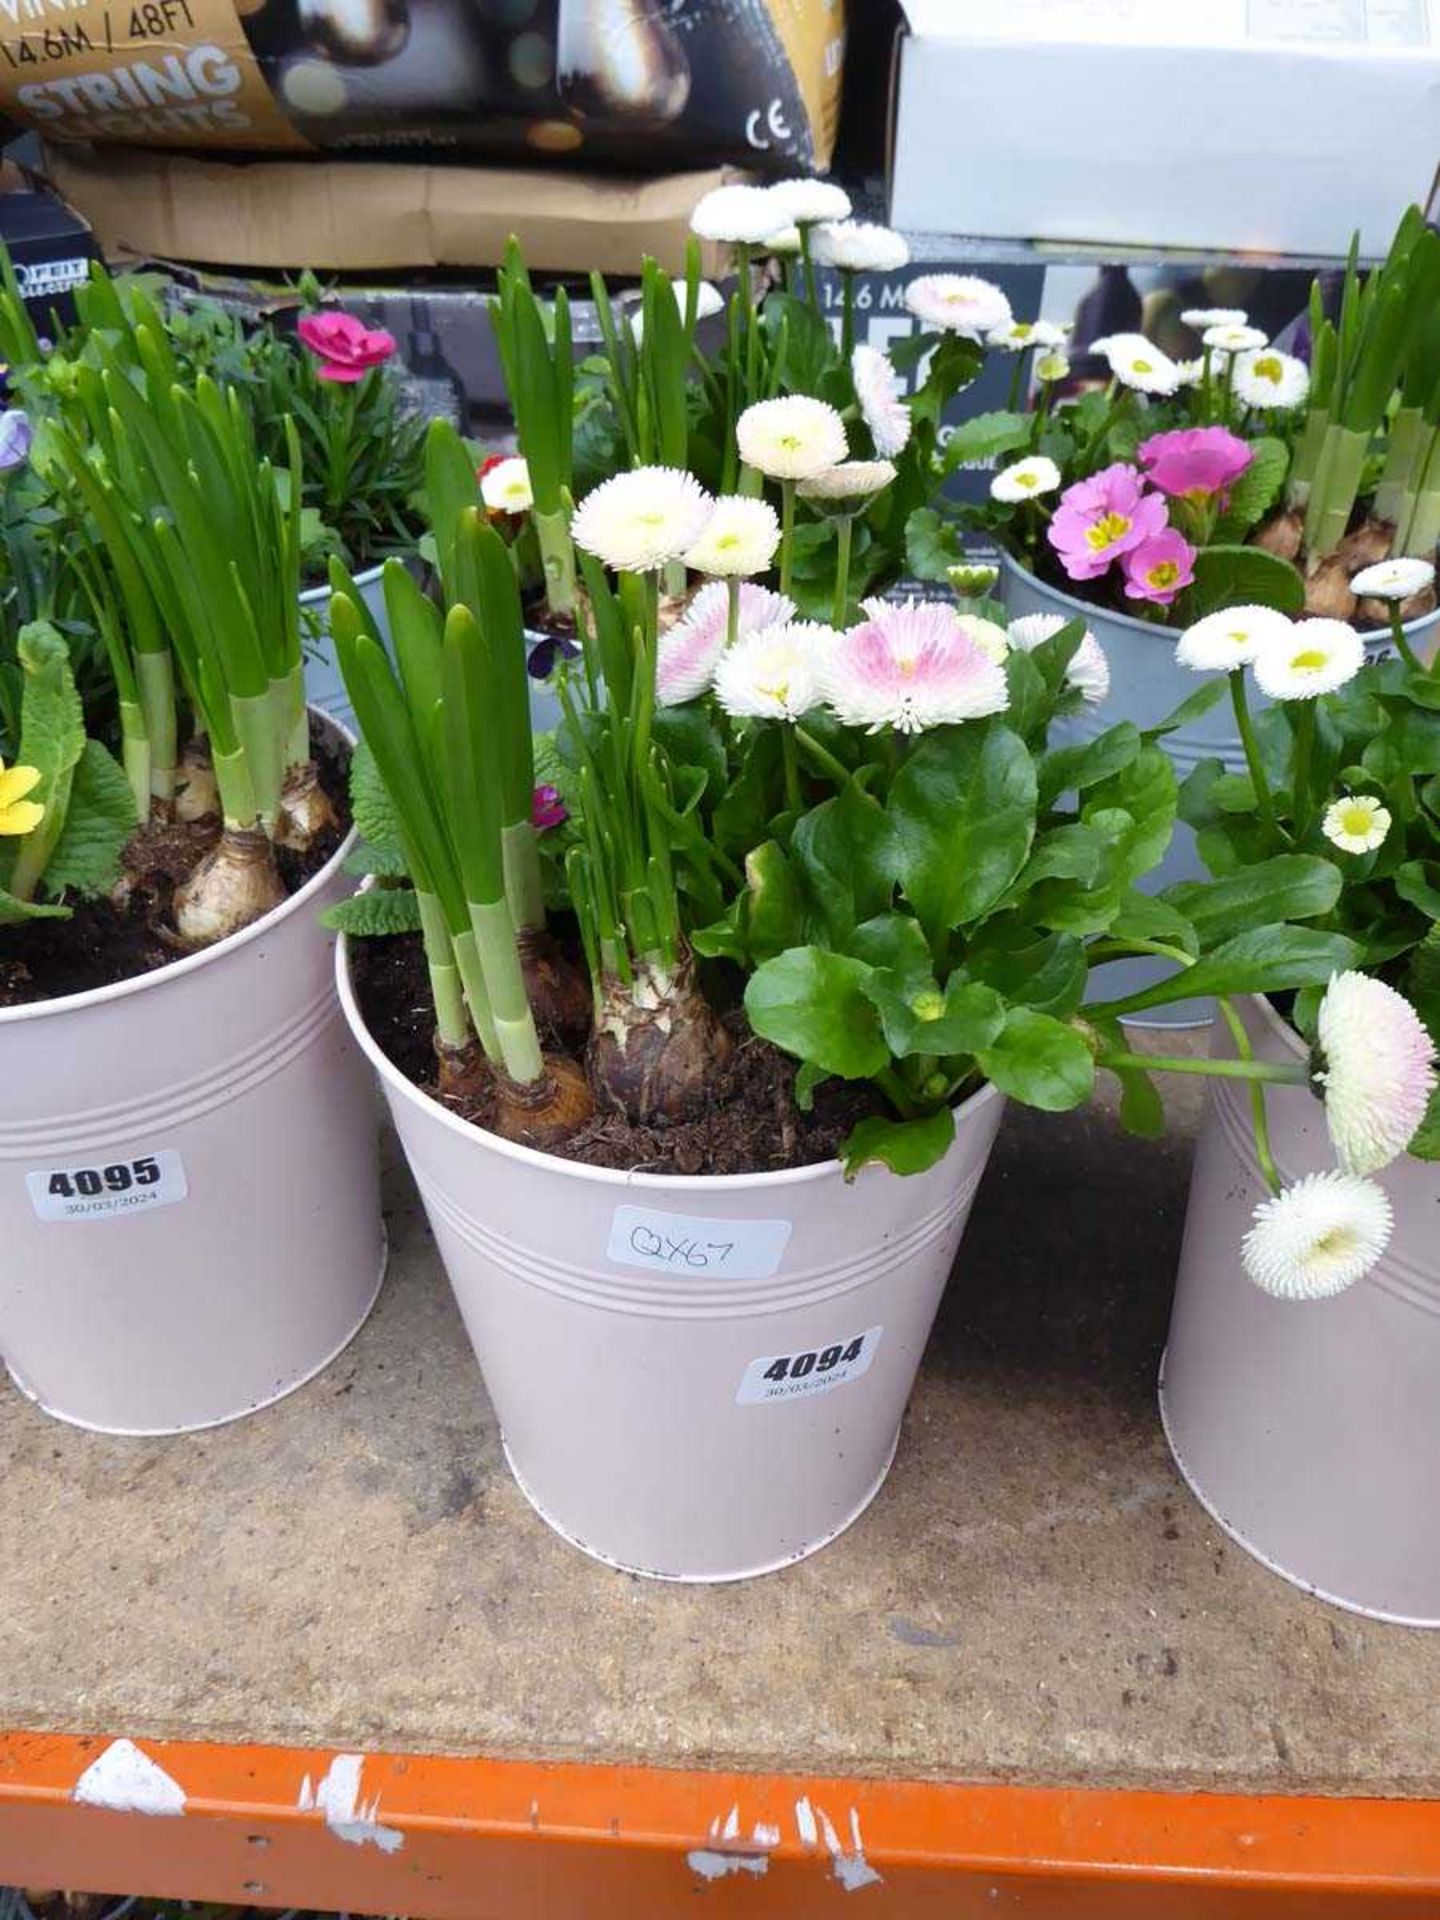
(17, 814)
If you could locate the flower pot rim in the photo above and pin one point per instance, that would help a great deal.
(192, 962)
(311, 596)
(1088, 611)
(676, 1184)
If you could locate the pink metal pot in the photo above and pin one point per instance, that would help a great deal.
(189, 1196)
(1309, 1429)
(696, 1379)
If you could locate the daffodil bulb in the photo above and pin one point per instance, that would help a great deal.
(690, 650)
(1267, 378)
(1233, 638)
(775, 672)
(859, 246)
(740, 216)
(1356, 823)
(1377, 1066)
(1314, 657)
(637, 522)
(1234, 337)
(877, 389)
(1317, 1237)
(740, 538)
(505, 487)
(806, 200)
(1089, 669)
(1025, 479)
(911, 666)
(1396, 579)
(792, 437)
(1021, 335)
(958, 303)
(1201, 318)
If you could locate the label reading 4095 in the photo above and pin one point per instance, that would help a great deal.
(793, 1376)
(108, 1189)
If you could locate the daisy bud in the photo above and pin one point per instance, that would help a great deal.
(972, 581)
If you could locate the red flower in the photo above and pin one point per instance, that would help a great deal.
(547, 809)
(345, 347)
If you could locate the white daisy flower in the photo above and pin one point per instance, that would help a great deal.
(1318, 1237)
(985, 633)
(911, 666)
(1051, 366)
(1020, 335)
(1202, 317)
(740, 538)
(1025, 479)
(1190, 372)
(1356, 823)
(1378, 1070)
(787, 243)
(708, 301)
(741, 216)
(1232, 337)
(792, 437)
(877, 388)
(1266, 378)
(859, 246)
(809, 200)
(1137, 362)
(853, 481)
(958, 303)
(1222, 641)
(690, 650)
(775, 672)
(635, 522)
(1314, 657)
(1089, 669)
(505, 487)
(1396, 579)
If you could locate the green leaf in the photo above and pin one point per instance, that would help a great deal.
(1291, 886)
(1194, 706)
(773, 909)
(843, 852)
(52, 739)
(378, 910)
(1048, 974)
(1263, 960)
(1072, 769)
(691, 738)
(1146, 790)
(895, 942)
(904, 1146)
(984, 438)
(813, 1004)
(931, 544)
(807, 1079)
(1144, 917)
(1257, 489)
(1142, 1112)
(98, 821)
(963, 809)
(1410, 744)
(1073, 851)
(1243, 577)
(1041, 1061)
(13, 911)
(921, 1019)
(1418, 881)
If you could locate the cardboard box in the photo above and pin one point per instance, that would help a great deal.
(352, 216)
(1279, 125)
(50, 245)
(645, 85)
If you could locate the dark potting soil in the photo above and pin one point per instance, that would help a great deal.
(102, 943)
(750, 1125)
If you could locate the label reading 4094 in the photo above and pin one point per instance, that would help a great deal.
(793, 1376)
(108, 1189)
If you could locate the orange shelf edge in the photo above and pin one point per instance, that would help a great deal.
(443, 1838)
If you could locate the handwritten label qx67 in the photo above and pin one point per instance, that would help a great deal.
(680, 1244)
(108, 1189)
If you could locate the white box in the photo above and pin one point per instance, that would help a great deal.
(1278, 125)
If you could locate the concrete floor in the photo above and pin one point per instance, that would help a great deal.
(1033, 1596)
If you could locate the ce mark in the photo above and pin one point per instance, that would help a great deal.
(767, 126)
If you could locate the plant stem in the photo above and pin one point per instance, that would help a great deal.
(844, 533)
(1258, 1118)
(896, 1092)
(847, 317)
(1304, 751)
(810, 293)
(827, 763)
(1280, 1073)
(787, 528)
(1264, 799)
(1397, 634)
(791, 766)
(732, 610)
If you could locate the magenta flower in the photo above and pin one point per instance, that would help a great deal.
(1100, 518)
(1159, 567)
(345, 347)
(1194, 462)
(547, 809)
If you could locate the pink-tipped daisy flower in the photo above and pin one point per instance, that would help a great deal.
(911, 666)
(1103, 517)
(690, 651)
(1159, 567)
(1377, 1066)
(1192, 463)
